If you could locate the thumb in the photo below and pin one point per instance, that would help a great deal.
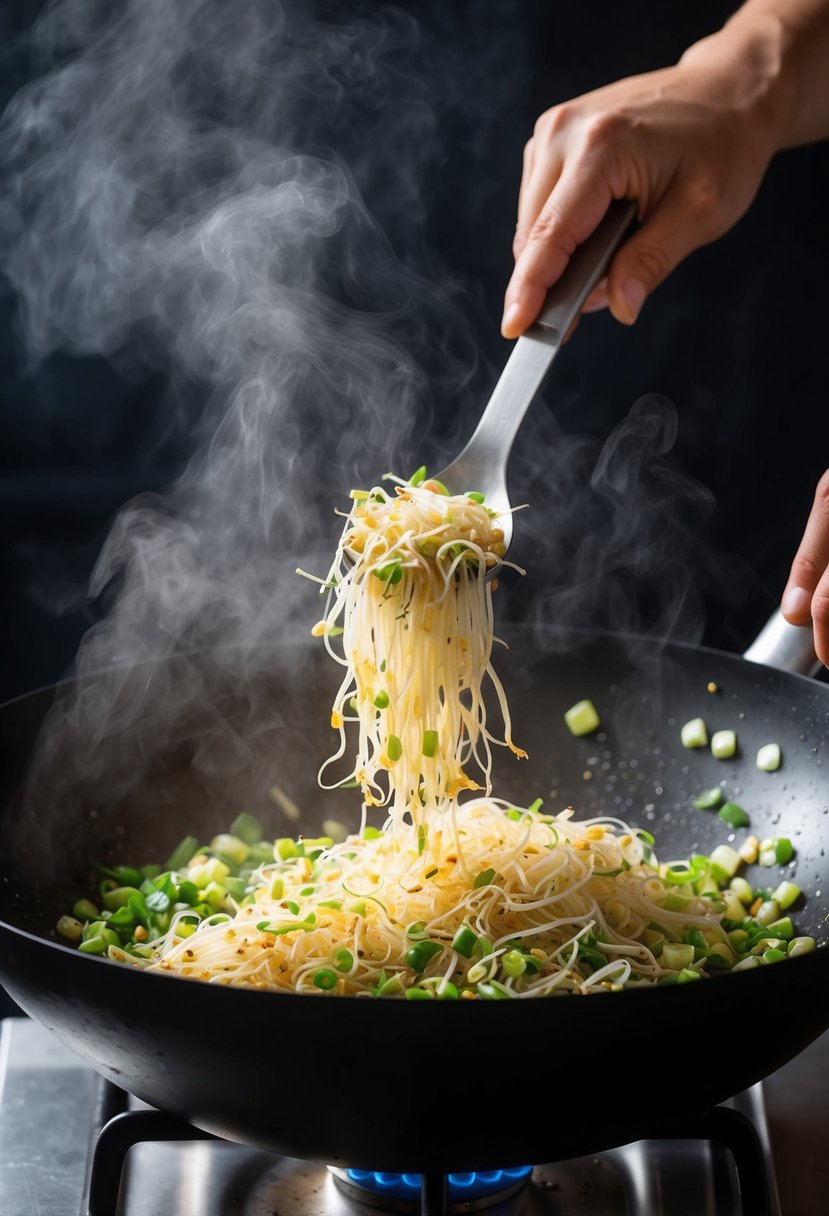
(645, 260)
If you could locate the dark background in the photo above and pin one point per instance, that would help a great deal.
(736, 339)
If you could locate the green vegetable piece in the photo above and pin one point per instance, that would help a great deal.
(70, 928)
(292, 906)
(359, 908)
(783, 927)
(733, 814)
(768, 758)
(723, 744)
(382, 699)
(677, 955)
(122, 876)
(785, 894)
(284, 848)
(324, 979)
(336, 904)
(708, 799)
(390, 572)
(422, 833)
(84, 910)
(394, 748)
(773, 956)
(513, 964)
(464, 941)
(687, 976)
(183, 853)
(476, 496)
(419, 994)
(371, 833)
(694, 733)
(343, 960)
(447, 991)
(418, 477)
(582, 718)
(416, 930)
(159, 901)
(536, 805)
(430, 742)
(483, 879)
(783, 850)
(493, 991)
(94, 945)
(800, 945)
(119, 897)
(421, 953)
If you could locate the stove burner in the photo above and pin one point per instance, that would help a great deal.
(466, 1191)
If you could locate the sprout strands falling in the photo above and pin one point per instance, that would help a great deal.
(410, 619)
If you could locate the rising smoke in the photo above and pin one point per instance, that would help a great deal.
(175, 205)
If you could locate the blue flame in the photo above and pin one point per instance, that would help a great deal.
(462, 1187)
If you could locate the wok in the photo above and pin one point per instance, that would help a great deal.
(381, 1083)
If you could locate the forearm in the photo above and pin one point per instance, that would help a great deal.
(777, 53)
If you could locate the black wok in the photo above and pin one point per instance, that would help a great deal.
(400, 1085)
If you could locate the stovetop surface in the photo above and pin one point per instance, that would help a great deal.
(47, 1104)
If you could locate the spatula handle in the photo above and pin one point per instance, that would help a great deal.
(583, 272)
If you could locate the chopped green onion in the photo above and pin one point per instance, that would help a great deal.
(419, 994)
(359, 908)
(336, 904)
(800, 945)
(391, 572)
(733, 814)
(70, 928)
(768, 911)
(183, 853)
(687, 975)
(381, 701)
(582, 718)
(782, 928)
(447, 991)
(677, 955)
(708, 799)
(84, 910)
(394, 748)
(483, 879)
(475, 495)
(430, 742)
(246, 827)
(464, 941)
(694, 733)
(742, 890)
(723, 744)
(513, 964)
(343, 959)
(785, 894)
(726, 858)
(768, 757)
(774, 956)
(285, 848)
(783, 850)
(421, 953)
(325, 979)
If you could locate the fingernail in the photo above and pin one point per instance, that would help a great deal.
(796, 602)
(509, 319)
(632, 295)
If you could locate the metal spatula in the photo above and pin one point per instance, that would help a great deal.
(482, 465)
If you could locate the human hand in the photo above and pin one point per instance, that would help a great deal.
(807, 591)
(689, 144)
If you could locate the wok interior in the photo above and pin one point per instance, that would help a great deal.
(146, 755)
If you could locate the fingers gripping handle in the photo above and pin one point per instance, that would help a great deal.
(584, 270)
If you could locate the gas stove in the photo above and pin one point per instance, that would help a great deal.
(52, 1105)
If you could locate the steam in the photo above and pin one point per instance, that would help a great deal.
(174, 204)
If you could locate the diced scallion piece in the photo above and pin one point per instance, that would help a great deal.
(70, 928)
(325, 979)
(343, 959)
(677, 955)
(708, 799)
(246, 827)
(694, 733)
(742, 890)
(733, 814)
(800, 945)
(465, 941)
(785, 894)
(475, 495)
(768, 757)
(184, 852)
(582, 718)
(783, 850)
(726, 858)
(723, 744)
(484, 879)
(421, 953)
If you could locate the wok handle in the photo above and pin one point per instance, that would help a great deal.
(784, 646)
